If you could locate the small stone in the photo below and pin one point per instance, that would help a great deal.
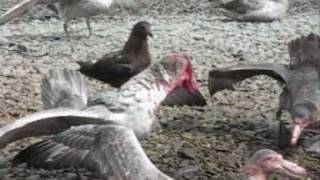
(188, 153)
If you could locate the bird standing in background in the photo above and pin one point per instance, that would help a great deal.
(256, 10)
(127, 112)
(301, 78)
(69, 9)
(265, 162)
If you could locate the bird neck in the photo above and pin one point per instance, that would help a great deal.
(258, 176)
(146, 89)
(136, 45)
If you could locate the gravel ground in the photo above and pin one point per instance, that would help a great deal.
(210, 142)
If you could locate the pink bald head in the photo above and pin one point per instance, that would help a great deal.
(178, 66)
(265, 162)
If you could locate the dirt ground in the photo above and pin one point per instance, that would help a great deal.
(210, 142)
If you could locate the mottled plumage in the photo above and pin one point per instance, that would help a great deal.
(69, 9)
(110, 150)
(301, 92)
(116, 118)
(133, 105)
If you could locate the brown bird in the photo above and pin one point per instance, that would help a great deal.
(265, 162)
(118, 67)
(301, 79)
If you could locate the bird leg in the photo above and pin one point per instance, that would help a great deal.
(65, 28)
(79, 177)
(278, 115)
(283, 134)
(89, 26)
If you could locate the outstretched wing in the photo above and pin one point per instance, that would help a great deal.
(111, 150)
(64, 150)
(225, 78)
(181, 97)
(45, 123)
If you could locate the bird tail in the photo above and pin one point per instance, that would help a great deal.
(304, 50)
(64, 88)
(85, 67)
(17, 10)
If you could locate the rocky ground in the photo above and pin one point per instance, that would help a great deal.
(210, 142)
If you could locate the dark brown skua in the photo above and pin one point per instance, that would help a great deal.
(118, 67)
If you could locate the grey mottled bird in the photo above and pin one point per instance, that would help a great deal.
(69, 9)
(128, 112)
(265, 162)
(301, 80)
(256, 10)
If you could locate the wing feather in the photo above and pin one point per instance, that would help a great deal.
(45, 123)
(225, 78)
(114, 151)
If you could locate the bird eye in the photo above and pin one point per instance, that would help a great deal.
(268, 159)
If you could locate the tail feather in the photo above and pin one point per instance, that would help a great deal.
(64, 88)
(17, 10)
(305, 49)
(85, 67)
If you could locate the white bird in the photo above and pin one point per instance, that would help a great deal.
(256, 10)
(69, 9)
(116, 116)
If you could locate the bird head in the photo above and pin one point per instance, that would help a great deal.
(302, 114)
(176, 71)
(142, 29)
(265, 162)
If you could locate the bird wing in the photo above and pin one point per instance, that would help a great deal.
(64, 88)
(225, 78)
(45, 123)
(181, 96)
(305, 50)
(114, 69)
(111, 150)
(64, 150)
(17, 10)
(243, 6)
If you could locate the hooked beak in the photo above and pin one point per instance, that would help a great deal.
(299, 126)
(150, 34)
(292, 170)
